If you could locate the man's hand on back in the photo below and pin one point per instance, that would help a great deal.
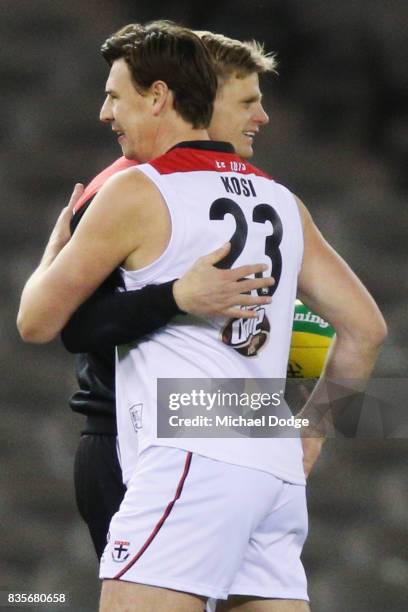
(208, 290)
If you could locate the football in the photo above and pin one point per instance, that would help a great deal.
(311, 338)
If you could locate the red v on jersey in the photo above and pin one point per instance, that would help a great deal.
(194, 159)
(176, 160)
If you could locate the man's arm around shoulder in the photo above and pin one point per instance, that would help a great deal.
(108, 232)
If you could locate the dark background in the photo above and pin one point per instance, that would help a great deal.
(338, 137)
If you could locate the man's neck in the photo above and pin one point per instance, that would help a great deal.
(165, 140)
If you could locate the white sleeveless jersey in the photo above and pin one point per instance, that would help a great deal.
(214, 197)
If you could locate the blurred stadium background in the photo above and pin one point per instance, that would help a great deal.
(338, 137)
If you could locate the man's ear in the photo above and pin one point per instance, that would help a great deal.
(160, 94)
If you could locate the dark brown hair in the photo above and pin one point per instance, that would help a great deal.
(165, 51)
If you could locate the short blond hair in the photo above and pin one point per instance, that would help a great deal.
(234, 56)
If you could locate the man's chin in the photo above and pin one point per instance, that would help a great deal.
(126, 152)
(245, 152)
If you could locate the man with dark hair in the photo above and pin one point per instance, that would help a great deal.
(200, 517)
(112, 318)
(173, 57)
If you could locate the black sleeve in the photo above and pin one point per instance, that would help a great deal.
(109, 318)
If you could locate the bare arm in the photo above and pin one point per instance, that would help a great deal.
(66, 277)
(330, 288)
(107, 318)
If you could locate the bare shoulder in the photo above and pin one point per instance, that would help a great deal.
(125, 193)
(128, 182)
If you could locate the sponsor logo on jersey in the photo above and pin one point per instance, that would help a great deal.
(120, 551)
(247, 336)
(136, 415)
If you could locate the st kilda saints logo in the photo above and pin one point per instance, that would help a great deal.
(247, 336)
(120, 551)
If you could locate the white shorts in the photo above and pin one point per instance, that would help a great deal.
(206, 527)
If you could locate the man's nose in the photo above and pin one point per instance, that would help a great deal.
(261, 117)
(105, 114)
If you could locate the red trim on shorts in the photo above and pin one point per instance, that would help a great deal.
(161, 522)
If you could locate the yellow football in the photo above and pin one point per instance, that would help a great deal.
(311, 338)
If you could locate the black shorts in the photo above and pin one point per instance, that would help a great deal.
(98, 482)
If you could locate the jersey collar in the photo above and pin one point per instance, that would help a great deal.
(205, 145)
